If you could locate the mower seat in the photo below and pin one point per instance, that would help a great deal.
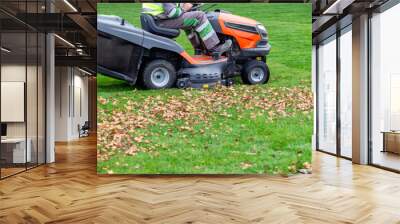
(149, 24)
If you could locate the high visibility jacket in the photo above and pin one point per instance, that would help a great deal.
(162, 10)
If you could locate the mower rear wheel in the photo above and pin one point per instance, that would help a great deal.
(255, 72)
(159, 74)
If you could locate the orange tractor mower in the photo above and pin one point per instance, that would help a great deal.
(150, 55)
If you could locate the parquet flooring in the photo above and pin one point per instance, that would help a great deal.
(70, 191)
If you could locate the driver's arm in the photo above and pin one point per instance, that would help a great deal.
(172, 10)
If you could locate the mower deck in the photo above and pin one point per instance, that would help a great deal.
(201, 71)
(202, 59)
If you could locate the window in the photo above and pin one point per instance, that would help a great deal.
(15, 147)
(327, 95)
(346, 75)
(385, 89)
(22, 101)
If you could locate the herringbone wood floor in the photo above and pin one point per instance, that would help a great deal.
(69, 191)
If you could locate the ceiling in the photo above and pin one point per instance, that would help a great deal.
(328, 15)
(74, 22)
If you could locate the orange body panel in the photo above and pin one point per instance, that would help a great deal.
(244, 39)
(200, 59)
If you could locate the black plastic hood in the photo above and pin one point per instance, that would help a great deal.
(118, 27)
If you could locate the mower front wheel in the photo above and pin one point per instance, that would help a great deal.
(255, 72)
(159, 74)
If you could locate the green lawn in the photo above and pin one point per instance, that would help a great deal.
(244, 129)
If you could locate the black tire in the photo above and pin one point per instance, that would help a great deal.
(159, 74)
(249, 72)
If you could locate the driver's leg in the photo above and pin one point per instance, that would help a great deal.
(199, 22)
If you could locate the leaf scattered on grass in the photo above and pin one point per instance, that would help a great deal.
(121, 129)
(132, 150)
(245, 165)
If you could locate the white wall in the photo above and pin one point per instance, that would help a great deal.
(9, 73)
(62, 82)
(33, 126)
(12, 101)
(81, 94)
(13, 72)
(71, 102)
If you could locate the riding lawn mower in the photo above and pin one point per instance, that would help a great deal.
(151, 56)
